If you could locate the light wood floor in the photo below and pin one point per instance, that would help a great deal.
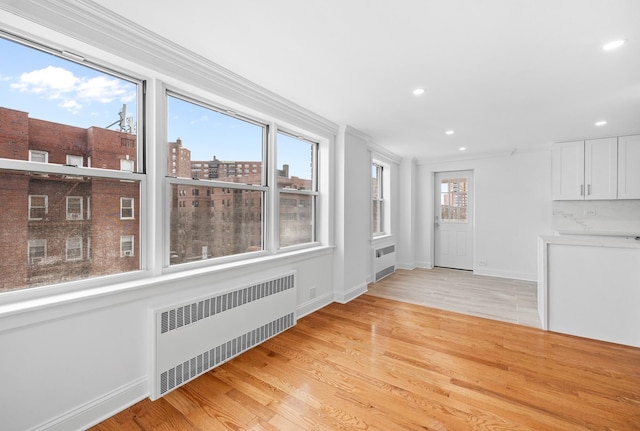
(496, 298)
(378, 364)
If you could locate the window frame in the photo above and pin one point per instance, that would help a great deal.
(313, 193)
(127, 239)
(67, 248)
(33, 243)
(122, 208)
(379, 200)
(72, 170)
(69, 214)
(46, 206)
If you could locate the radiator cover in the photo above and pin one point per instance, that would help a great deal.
(196, 336)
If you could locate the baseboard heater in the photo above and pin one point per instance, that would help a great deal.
(195, 336)
(384, 261)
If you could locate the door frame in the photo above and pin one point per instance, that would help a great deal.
(432, 228)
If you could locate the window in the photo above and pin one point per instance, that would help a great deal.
(37, 251)
(38, 156)
(74, 207)
(57, 129)
(297, 189)
(453, 200)
(127, 165)
(74, 248)
(126, 246)
(126, 208)
(378, 197)
(223, 226)
(75, 160)
(38, 206)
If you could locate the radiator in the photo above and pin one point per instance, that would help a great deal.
(384, 261)
(196, 336)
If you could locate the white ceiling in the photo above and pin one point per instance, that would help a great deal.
(504, 74)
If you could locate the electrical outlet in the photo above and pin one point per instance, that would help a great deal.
(589, 212)
(482, 263)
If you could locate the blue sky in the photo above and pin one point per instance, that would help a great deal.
(55, 89)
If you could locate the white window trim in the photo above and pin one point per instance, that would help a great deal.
(46, 206)
(122, 208)
(127, 239)
(74, 160)
(70, 240)
(36, 243)
(74, 215)
(33, 153)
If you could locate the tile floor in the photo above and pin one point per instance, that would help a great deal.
(460, 291)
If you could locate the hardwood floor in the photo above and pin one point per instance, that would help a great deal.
(379, 364)
(496, 298)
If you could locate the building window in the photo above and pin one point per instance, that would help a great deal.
(453, 200)
(377, 195)
(126, 209)
(77, 161)
(127, 165)
(80, 126)
(38, 206)
(74, 207)
(297, 189)
(74, 248)
(38, 156)
(37, 251)
(126, 246)
(224, 228)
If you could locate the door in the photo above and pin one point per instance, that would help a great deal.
(453, 217)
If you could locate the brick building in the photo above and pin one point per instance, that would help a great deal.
(65, 227)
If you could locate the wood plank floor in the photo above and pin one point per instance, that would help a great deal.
(379, 364)
(496, 298)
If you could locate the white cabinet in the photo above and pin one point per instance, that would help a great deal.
(629, 167)
(585, 169)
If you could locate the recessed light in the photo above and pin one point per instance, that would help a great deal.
(418, 91)
(614, 44)
(462, 148)
(601, 123)
(449, 132)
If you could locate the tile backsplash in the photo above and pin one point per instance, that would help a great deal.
(616, 217)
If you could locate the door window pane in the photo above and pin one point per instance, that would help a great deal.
(453, 200)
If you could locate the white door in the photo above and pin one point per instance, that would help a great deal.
(454, 220)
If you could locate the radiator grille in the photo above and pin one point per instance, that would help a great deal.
(192, 313)
(209, 359)
(195, 336)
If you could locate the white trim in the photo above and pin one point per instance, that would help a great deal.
(103, 407)
(313, 305)
(350, 294)
(501, 273)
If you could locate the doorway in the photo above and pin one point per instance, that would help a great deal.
(453, 220)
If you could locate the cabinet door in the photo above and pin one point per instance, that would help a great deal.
(629, 167)
(601, 168)
(567, 171)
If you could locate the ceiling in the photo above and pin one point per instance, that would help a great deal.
(503, 74)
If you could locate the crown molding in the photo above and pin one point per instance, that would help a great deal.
(90, 23)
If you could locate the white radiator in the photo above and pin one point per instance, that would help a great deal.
(384, 261)
(196, 336)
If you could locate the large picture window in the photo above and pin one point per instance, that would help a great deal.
(297, 189)
(378, 198)
(65, 127)
(217, 182)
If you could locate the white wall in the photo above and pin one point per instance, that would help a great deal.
(512, 207)
(353, 214)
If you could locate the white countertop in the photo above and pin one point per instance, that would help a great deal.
(592, 241)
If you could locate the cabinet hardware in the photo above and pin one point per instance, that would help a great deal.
(589, 190)
(581, 189)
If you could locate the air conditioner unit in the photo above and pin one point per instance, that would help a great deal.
(75, 216)
(35, 260)
(127, 253)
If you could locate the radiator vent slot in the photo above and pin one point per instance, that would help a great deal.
(192, 338)
(384, 261)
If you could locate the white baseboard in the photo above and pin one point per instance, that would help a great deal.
(314, 305)
(500, 273)
(350, 294)
(99, 409)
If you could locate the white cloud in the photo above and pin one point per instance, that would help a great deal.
(57, 83)
(202, 119)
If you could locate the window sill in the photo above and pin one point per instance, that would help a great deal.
(33, 305)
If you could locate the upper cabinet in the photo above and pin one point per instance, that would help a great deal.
(629, 167)
(585, 169)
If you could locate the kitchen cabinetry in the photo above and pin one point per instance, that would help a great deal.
(629, 167)
(585, 169)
